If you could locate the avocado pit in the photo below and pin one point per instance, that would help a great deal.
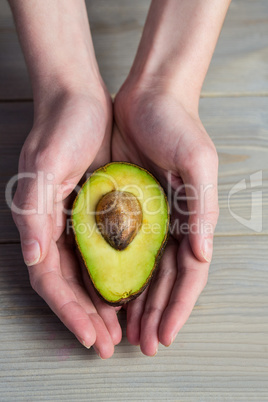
(119, 218)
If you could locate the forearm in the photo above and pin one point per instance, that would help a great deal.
(57, 45)
(178, 42)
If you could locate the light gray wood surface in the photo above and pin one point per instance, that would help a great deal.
(239, 65)
(221, 354)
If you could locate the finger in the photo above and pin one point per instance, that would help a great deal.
(134, 314)
(102, 346)
(106, 312)
(30, 210)
(199, 171)
(72, 273)
(178, 227)
(191, 280)
(157, 300)
(47, 281)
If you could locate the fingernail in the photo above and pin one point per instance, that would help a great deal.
(172, 340)
(31, 252)
(207, 250)
(155, 352)
(83, 342)
(98, 352)
(86, 346)
(100, 357)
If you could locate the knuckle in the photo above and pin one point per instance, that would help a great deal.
(22, 210)
(200, 278)
(213, 215)
(164, 272)
(213, 154)
(201, 156)
(39, 281)
(31, 144)
(207, 154)
(151, 311)
(42, 159)
(34, 156)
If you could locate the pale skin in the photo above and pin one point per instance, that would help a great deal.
(156, 126)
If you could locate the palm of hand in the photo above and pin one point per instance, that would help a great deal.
(158, 134)
(63, 160)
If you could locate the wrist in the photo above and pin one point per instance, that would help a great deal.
(68, 65)
(165, 83)
(72, 97)
(159, 85)
(57, 45)
(176, 47)
(48, 88)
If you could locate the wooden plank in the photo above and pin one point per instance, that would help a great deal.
(15, 83)
(239, 65)
(220, 354)
(239, 129)
(116, 30)
(16, 122)
(238, 126)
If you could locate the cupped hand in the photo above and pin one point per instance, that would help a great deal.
(153, 129)
(71, 133)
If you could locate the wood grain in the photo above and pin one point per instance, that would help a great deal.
(220, 354)
(239, 65)
(16, 122)
(239, 129)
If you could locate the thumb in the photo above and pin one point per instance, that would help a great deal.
(31, 211)
(200, 176)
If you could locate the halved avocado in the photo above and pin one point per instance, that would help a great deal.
(120, 220)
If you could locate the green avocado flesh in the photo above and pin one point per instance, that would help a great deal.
(121, 243)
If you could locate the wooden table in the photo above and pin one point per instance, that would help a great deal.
(221, 354)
